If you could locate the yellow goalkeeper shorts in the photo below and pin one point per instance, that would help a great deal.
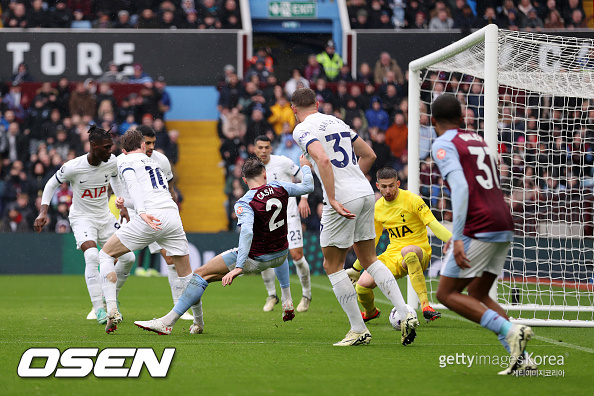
(393, 260)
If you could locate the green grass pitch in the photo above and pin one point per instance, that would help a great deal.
(245, 351)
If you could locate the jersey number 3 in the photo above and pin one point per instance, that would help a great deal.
(488, 168)
(338, 149)
(273, 224)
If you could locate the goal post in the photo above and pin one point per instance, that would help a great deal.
(531, 96)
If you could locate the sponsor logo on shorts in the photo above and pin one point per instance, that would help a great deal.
(80, 362)
(441, 153)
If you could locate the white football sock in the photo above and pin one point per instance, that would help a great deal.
(347, 297)
(302, 268)
(92, 277)
(269, 281)
(197, 312)
(174, 283)
(122, 268)
(108, 278)
(385, 280)
(286, 294)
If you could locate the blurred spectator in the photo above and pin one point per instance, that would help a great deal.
(191, 21)
(464, 20)
(17, 147)
(351, 111)
(569, 10)
(533, 22)
(365, 75)
(102, 20)
(361, 20)
(172, 152)
(287, 145)
(420, 21)
(14, 221)
(230, 94)
(397, 135)
(296, 81)
(345, 74)
(554, 20)
(384, 65)
(84, 6)
(16, 17)
(139, 76)
(78, 21)
(60, 17)
(353, 8)
(113, 74)
(22, 74)
(488, 18)
(384, 22)
(163, 97)
(231, 17)
(82, 102)
(330, 61)
(323, 93)
(376, 115)
(576, 21)
(313, 70)
(123, 21)
(147, 20)
(38, 16)
(441, 21)
(258, 69)
(263, 53)
(281, 113)
(210, 21)
(341, 97)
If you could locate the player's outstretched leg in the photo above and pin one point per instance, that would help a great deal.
(177, 285)
(269, 282)
(366, 297)
(282, 273)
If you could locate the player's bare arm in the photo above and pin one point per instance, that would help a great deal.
(228, 278)
(316, 151)
(42, 219)
(365, 153)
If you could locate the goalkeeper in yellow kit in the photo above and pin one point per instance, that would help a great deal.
(405, 216)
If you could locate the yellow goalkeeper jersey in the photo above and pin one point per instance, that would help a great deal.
(405, 219)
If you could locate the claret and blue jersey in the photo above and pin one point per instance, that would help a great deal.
(488, 217)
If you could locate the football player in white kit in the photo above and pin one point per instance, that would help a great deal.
(175, 283)
(148, 191)
(90, 218)
(281, 168)
(347, 218)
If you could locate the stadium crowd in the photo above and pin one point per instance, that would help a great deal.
(527, 15)
(39, 132)
(111, 14)
(556, 135)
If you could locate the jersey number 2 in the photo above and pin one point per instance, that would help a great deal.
(273, 224)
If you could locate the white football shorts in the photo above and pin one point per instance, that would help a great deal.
(98, 230)
(137, 234)
(483, 256)
(294, 232)
(336, 230)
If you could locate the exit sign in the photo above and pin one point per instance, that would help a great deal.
(292, 9)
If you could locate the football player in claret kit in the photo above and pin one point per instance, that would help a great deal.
(483, 230)
(262, 214)
(90, 219)
(157, 220)
(405, 216)
(347, 219)
(281, 168)
(175, 282)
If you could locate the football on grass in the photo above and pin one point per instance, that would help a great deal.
(394, 321)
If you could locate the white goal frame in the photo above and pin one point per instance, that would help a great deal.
(488, 35)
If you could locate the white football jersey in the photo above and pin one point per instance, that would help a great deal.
(89, 185)
(151, 179)
(160, 158)
(336, 138)
(283, 169)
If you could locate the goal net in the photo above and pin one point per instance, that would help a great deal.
(531, 96)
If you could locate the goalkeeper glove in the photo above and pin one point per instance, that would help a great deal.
(354, 275)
